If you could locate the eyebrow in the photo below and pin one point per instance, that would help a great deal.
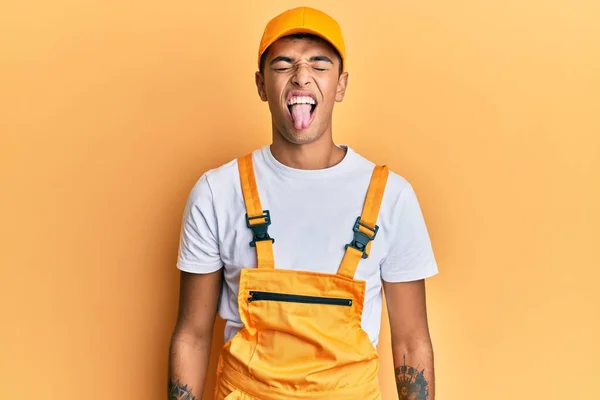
(289, 60)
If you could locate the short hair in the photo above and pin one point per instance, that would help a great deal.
(309, 36)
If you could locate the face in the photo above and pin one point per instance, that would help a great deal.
(301, 83)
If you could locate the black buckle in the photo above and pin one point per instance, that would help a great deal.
(361, 239)
(260, 230)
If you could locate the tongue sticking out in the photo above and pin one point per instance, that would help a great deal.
(301, 115)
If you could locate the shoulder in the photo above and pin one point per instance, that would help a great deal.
(396, 184)
(221, 179)
(210, 181)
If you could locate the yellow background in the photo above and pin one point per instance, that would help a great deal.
(110, 111)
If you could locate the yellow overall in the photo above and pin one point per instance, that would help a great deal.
(301, 336)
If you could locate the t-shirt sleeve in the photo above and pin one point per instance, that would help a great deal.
(410, 256)
(198, 243)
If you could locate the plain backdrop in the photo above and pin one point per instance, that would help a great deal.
(110, 111)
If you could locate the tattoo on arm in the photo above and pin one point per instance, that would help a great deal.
(177, 391)
(411, 383)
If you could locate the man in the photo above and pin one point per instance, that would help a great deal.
(293, 244)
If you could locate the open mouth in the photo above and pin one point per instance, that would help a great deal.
(312, 108)
(301, 108)
(302, 100)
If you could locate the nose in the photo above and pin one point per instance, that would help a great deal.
(301, 76)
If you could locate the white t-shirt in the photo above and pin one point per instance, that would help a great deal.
(312, 216)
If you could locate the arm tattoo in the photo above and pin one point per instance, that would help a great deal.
(411, 383)
(177, 391)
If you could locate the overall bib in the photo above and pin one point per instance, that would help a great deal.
(302, 336)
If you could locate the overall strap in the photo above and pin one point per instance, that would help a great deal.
(257, 219)
(365, 227)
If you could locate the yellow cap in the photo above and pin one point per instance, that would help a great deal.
(303, 20)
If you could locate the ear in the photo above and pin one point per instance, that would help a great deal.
(260, 85)
(341, 87)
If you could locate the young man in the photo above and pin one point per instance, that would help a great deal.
(293, 243)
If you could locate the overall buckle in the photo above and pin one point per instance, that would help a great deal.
(361, 239)
(259, 231)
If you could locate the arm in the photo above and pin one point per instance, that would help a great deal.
(189, 351)
(200, 286)
(411, 344)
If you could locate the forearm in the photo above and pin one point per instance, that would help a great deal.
(414, 370)
(188, 363)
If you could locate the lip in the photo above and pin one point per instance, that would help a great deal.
(301, 93)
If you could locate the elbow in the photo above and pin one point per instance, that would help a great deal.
(413, 344)
(198, 336)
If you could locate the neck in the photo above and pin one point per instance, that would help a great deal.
(320, 154)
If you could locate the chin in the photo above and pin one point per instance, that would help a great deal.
(304, 136)
(288, 132)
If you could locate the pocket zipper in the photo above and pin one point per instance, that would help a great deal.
(294, 298)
